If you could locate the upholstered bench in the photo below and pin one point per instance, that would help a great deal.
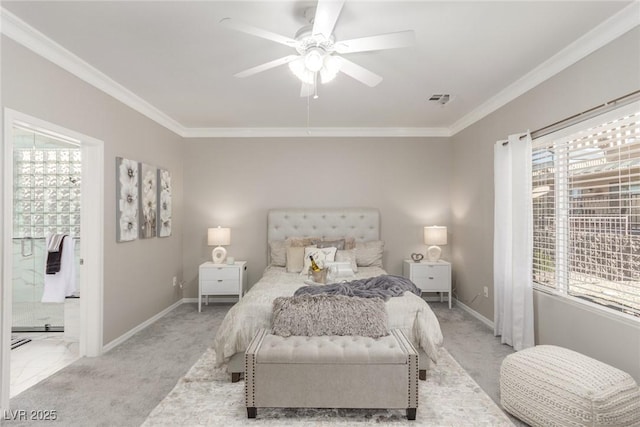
(331, 372)
(553, 386)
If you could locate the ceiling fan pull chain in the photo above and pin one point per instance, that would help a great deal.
(315, 85)
(308, 109)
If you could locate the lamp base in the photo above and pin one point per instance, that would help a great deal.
(218, 255)
(433, 253)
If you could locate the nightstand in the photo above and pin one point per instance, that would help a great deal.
(429, 276)
(221, 279)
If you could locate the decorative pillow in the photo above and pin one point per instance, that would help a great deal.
(303, 241)
(295, 259)
(338, 244)
(320, 256)
(369, 254)
(348, 256)
(314, 315)
(349, 242)
(278, 251)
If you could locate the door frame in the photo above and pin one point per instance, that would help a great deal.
(91, 249)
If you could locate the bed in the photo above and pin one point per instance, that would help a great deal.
(409, 313)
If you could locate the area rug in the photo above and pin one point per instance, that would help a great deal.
(207, 397)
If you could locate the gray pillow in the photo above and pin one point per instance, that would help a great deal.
(314, 315)
(338, 244)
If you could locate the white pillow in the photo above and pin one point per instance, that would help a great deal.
(320, 256)
(369, 254)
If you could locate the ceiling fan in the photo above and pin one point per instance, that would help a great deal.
(318, 52)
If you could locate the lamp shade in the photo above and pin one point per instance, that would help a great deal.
(219, 236)
(435, 235)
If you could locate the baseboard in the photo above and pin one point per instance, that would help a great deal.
(122, 338)
(435, 299)
(475, 314)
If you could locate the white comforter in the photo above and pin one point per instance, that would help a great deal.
(409, 313)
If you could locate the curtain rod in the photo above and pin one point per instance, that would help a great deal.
(587, 114)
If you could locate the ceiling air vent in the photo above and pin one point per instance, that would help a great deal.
(440, 98)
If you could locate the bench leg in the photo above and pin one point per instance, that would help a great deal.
(422, 374)
(252, 412)
(235, 376)
(411, 413)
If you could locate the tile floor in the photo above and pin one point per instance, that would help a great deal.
(46, 354)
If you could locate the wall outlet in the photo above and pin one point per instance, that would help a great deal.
(175, 281)
(486, 292)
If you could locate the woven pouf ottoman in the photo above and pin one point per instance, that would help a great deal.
(548, 385)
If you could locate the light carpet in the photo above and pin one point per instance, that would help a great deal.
(206, 397)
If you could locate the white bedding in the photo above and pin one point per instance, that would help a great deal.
(409, 313)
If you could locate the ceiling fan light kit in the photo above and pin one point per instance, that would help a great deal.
(306, 67)
(318, 51)
(314, 59)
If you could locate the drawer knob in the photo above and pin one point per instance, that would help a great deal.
(219, 280)
(430, 278)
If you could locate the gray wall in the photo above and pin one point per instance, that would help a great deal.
(137, 275)
(234, 182)
(606, 74)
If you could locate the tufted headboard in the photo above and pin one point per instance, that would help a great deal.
(361, 223)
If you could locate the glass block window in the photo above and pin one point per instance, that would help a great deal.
(47, 191)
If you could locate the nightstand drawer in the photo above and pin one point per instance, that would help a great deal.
(217, 273)
(434, 283)
(220, 287)
(426, 270)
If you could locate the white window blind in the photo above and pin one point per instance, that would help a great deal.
(586, 210)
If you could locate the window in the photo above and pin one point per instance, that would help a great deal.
(586, 210)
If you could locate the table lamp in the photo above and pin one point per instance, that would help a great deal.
(219, 237)
(434, 237)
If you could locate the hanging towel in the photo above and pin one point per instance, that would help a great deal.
(54, 242)
(54, 256)
(63, 283)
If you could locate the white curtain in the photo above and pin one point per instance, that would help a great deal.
(512, 242)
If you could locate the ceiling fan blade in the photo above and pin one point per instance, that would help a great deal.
(379, 42)
(359, 73)
(266, 66)
(327, 13)
(306, 90)
(258, 32)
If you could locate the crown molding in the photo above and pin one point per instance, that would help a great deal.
(300, 132)
(19, 31)
(601, 35)
(24, 34)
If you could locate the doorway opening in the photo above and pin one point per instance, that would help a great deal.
(47, 178)
(53, 191)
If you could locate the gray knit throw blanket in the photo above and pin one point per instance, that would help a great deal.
(385, 287)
